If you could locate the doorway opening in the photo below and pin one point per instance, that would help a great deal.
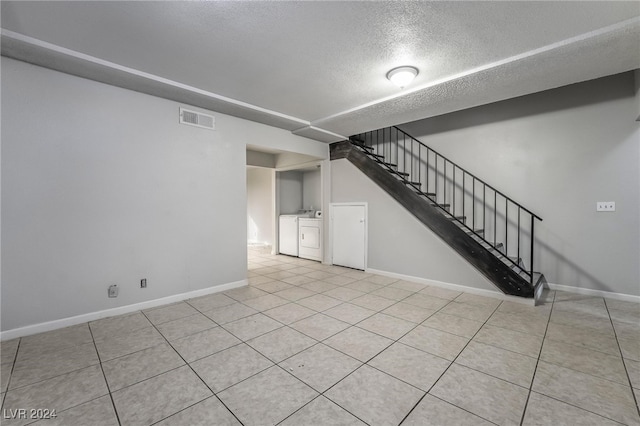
(281, 184)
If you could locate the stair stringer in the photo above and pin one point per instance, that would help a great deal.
(501, 275)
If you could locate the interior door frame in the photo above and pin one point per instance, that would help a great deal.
(366, 228)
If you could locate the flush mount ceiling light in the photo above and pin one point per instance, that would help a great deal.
(402, 76)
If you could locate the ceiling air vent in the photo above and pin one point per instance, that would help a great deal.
(193, 118)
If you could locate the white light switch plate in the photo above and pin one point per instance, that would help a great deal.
(606, 206)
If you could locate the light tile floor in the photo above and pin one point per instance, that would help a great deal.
(311, 344)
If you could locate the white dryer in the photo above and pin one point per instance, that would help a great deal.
(288, 232)
(310, 240)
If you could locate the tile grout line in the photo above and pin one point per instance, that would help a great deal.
(452, 362)
(194, 372)
(337, 350)
(241, 341)
(294, 376)
(13, 366)
(113, 403)
(385, 348)
(63, 374)
(535, 370)
(537, 359)
(320, 395)
(624, 364)
(577, 371)
(449, 301)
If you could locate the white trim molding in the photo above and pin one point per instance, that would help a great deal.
(455, 287)
(595, 293)
(92, 316)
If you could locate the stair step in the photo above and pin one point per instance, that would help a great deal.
(494, 246)
(444, 206)
(476, 231)
(362, 145)
(517, 261)
(508, 275)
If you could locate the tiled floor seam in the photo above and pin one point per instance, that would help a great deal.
(360, 366)
(113, 404)
(43, 380)
(13, 366)
(192, 405)
(582, 347)
(446, 402)
(580, 408)
(624, 364)
(194, 372)
(564, 402)
(384, 372)
(452, 362)
(533, 378)
(333, 402)
(339, 381)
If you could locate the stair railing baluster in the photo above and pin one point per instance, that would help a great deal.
(453, 201)
(397, 150)
(404, 154)
(518, 258)
(387, 146)
(436, 189)
(411, 158)
(384, 145)
(484, 208)
(473, 206)
(444, 183)
(495, 219)
(419, 165)
(428, 155)
(531, 254)
(385, 153)
(506, 227)
(464, 193)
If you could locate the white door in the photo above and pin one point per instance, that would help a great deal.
(349, 235)
(288, 241)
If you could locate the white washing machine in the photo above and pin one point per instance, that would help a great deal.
(310, 238)
(288, 232)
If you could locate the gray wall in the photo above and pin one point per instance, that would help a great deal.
(559, 152)
(397, 241)
(260, 205)
(260, 159)
(289, 191)
(101, 186)
(311, 190)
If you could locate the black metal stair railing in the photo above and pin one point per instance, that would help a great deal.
(495, 220)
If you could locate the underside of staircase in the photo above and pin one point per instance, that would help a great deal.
(493, 259)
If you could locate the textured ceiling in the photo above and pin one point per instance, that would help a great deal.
(318, 68)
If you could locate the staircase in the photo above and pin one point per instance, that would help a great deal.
(490, 230)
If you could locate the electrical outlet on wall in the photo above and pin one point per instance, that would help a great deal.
(606, 206)
(113, 290)
(143, 283)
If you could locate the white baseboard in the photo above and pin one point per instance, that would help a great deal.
(596, 293)
(92, 316)
(455, 287)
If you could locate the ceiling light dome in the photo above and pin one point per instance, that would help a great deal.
(402, 76)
